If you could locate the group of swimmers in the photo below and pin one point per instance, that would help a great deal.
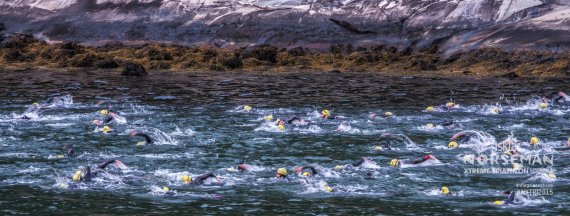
(108, 115)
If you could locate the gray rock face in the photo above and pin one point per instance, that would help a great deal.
(458, 24)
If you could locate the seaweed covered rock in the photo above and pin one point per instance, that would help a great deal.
(133, 69)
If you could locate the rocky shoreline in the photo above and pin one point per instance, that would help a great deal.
(24, 52)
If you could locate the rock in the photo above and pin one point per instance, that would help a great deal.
(106, 64)
(264, 53)
(133, 69)
(14, 55)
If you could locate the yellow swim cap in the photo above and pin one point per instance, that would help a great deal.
(77, 176)
(452, 144)
(377, 147)
(328, 189)
(165, 189)
(394, 162)
(543, 105)
(444, 190)
(282, 171)
(186, 179)
(62, 185)
(339, 167)
(60, 156)
(388, 114)
(551, 175)
(247, 108)
(281, 127)
(517, 166)
(429, 108)
(498, 202)
(430, 125)
(326, 113)
(268, 117)
(106, 129)
(141, 143)
(35, 104)
(306, 174)
(104, 112)
(450, 104)
(495, 110)
(534, 140)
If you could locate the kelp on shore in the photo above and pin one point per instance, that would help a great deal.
(21, 51)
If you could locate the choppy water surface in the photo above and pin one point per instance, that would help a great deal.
(199, 126)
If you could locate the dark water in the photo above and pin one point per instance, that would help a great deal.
(199, 126)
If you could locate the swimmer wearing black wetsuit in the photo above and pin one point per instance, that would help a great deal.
(146, 137)
(306, 170)
(86, 174)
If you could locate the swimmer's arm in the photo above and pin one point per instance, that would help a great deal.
(147, 138)
(358, 163)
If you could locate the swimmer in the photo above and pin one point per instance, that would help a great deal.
(147, 139)
(426, 158)
(559, 97)
(464, 135)
(306, 171)
(510, 199)
(68, 151)
(326, 114)
(200, 180)
(385, 115)
(281, 173)
(297, 121)
(362, 163)
(86, 174)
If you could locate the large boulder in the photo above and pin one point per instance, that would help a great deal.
(133, 69)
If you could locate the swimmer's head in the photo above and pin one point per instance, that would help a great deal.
(186, 179)
(36, 104)
(517, 166)
(452, 144)
(444, 190)
(543, 105)
(326, 113)
(495, 110)
(165, 189)
(534, 140)
(104, 112)
(307, 174)
(106, 129)
(450, 104)
(281, 172)
(247, 108)
(379, 148)
(394, 162)
(77, 176)
(498, 202)
(429, 109)
(268, 118)
(339, 167)
(388, 114)
(328, 189)
(279, 122)
(141, 143)
(281, 127)
(429, 125)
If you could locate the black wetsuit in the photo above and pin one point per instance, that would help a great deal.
(87, 174)
(420, 160)
(309, 169)
(147, 138)
(293, 119)
(200, 179)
